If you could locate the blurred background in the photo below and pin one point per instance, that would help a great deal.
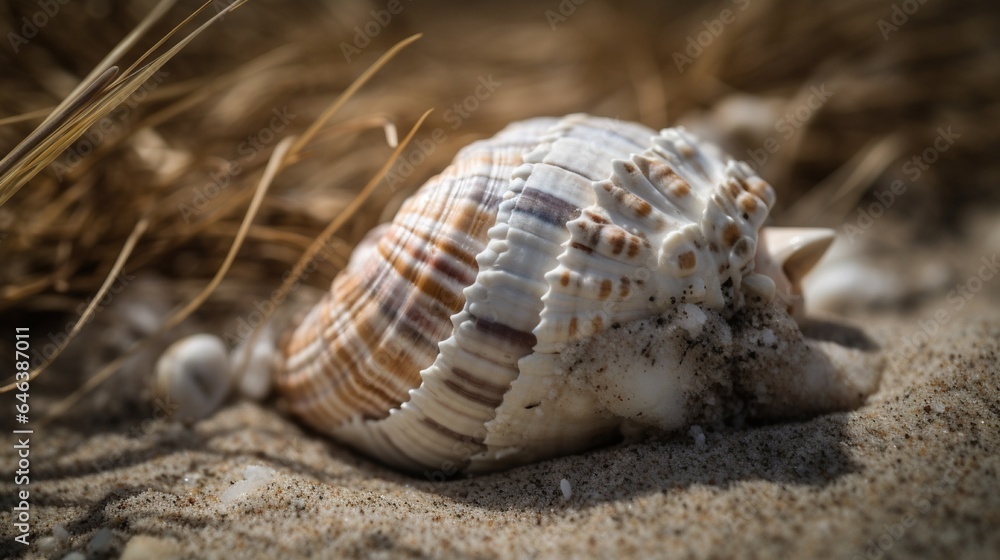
(878, 118)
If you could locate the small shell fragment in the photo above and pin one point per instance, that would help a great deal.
(254, 477)
(567, 490)
(251, 365)
(698, 435)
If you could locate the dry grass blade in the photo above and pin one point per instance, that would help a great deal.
(277, 57)
(116, 53)
(59, 116)
(24, 117)
(349, 211)
(272, 169)
(829, 202)
(282, 292)
(173, 32)
(350, 91)
(44, 150)
(191, 99)
(281, 157)
(140, 228)
(270, 172)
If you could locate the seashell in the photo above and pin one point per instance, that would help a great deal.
(502, 316)
(250, 364)
(192, 376)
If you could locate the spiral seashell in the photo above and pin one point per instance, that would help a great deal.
(462, 336)
(193, 376)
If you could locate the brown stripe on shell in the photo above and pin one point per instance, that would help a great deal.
(617, 240)
(546, 207)
(478, 382)
(687, 260)
(487, 400)
(381, 323)
(730, 234)
(504, 332)
(664, 174)
(634, 245)
(462, 438)
(605, 289)
(624, 287)
(596, 218)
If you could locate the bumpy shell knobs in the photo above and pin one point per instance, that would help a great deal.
(560, 284)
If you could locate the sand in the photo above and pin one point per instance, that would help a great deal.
(911, 474)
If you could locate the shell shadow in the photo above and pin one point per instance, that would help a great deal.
(798, 447)
(811, 453)
(849, 336)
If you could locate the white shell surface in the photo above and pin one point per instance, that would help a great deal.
(439, 349)
(193, 375)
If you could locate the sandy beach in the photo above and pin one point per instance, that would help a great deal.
(886, 134)
(912, 474)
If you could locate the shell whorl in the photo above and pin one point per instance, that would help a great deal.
(430, 345)
(360, 350)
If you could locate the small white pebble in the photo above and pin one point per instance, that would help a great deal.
(391, 135)
(567, 490)
(48, 545)
(252, 366)
(767, 337)
(698, 434)
(937, 406)
(691, 318)
(59, 532)
(101, 541)
(254, 477)
(258, 473)
(144, 547)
